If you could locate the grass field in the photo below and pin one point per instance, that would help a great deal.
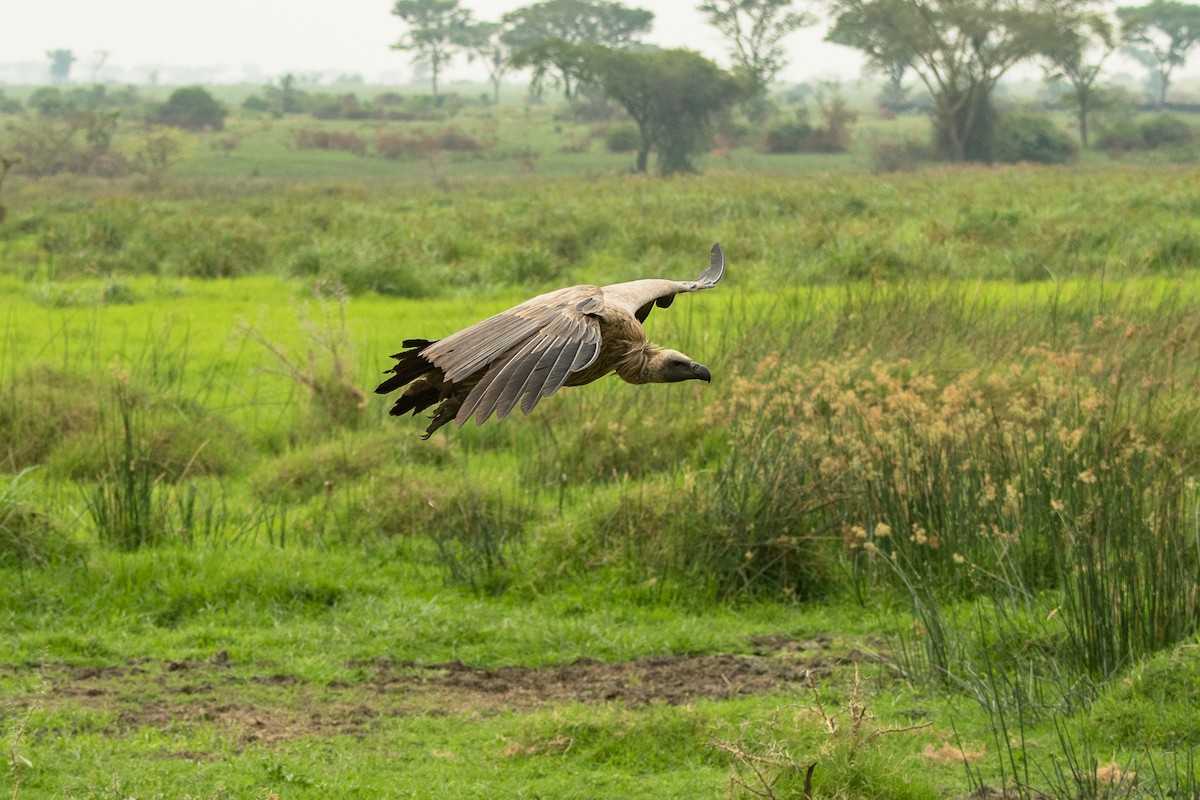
(934, 527)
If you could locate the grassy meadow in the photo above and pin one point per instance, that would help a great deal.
(932, 531)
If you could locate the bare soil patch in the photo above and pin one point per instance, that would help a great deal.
(257, 703)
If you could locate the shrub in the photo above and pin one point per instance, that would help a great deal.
(192, 108)
(347, 141)
(214, 247)
(419, 143)
(27, 536)
(787, 137)
(1127, 135)
(1166, 130)
(1030, 137)
(622, 138)
(891, 155)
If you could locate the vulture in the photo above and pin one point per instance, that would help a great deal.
(568, 337)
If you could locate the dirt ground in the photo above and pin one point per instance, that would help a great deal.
(259, 704)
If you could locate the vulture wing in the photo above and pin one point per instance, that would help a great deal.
(639, 297)
(525, 353)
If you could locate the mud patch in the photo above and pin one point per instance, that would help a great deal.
(258, 703)
(671, 679)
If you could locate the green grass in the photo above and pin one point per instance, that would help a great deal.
(913, 377)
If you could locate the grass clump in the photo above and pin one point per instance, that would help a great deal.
(28, 535)
(844, 760)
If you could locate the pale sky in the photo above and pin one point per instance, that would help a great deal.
(264, 39)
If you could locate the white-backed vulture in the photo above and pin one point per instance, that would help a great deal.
(567, 337)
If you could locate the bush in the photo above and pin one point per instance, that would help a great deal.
(27, 536)
(347, 141)
(1128, 135)
(1166, 130)
(622, 138)
(419, 143)
(1029, 137)
(193, 109)
(787, 137)
(891, 155)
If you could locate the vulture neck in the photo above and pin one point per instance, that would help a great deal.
(638, 366)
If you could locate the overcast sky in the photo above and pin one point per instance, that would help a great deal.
(279, 36)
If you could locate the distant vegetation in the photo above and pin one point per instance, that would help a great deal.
(591, 50)
(930, 532)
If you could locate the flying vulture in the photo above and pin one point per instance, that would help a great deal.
(568, 337)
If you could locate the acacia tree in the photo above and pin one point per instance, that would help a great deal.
(959, 49)
(674, 96)
(756, 30)
(572, 22)
(60, 64)
(485, 42)
(1077, 59)
(1160, 35)
(894, 57)
(437, 28)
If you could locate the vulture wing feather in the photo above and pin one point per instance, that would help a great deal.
(639, 297)
(540, 362)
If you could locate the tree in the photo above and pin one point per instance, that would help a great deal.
(1077, 58)
(192, 108)
(894, 58)
(959, 49)
(97, 62)
(485, 41)
(60, 65)
(573, 22)
(437, 28)
(756, 30)
(674, 96)
(1160, 35)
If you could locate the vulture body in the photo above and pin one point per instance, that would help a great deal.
(567, 337)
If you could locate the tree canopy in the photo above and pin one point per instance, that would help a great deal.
(60, 64)
(437, 28)
(959, 48)
(574, 22)
(193, 108)
(674, 96)
(1077, 59)
(756, 30)
(1160, 35)
(485, 42)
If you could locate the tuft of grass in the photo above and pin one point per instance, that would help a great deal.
(844, 758)
(28, 535)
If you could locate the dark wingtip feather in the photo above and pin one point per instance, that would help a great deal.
(410, 365)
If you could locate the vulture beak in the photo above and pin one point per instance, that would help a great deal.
(701, 373)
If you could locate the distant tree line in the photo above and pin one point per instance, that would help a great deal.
(680, 102)
(958, 49)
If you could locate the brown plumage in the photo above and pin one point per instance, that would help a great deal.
(568, 337)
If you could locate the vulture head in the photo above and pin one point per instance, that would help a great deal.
(668, 366)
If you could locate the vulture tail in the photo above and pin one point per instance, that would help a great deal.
(414, 401)
(410, 365)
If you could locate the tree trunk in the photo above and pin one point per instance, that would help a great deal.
(434, 65)
(964, 123)
(1082, 96)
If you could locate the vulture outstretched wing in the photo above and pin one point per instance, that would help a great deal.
(528, 351)
(639, 297)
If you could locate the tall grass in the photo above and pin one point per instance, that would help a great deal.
(1019, 223)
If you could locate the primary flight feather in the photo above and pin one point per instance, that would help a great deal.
(567, 337)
